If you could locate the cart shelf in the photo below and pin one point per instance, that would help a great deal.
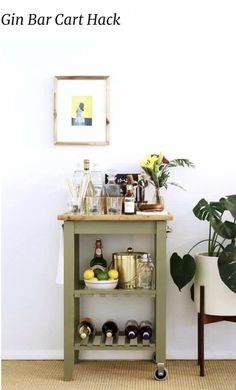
(99, 341)
(82, 290)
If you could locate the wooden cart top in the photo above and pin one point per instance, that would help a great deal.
(122, 217)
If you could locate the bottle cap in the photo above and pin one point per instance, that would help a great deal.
(132, 334)
(144, 257)
(86, 164)
(83, 335)
(109, 333)
(146, 335)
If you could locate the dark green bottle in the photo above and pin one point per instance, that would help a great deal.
(98, 261)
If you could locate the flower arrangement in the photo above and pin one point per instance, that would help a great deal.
(157, 167)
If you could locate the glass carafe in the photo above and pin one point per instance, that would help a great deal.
(112, 188)
(145, 272)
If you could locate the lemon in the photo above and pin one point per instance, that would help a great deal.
(93, 279)
(113, 274)
(88, 274)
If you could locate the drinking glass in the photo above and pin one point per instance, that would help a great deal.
(93, 205)
(114, 205)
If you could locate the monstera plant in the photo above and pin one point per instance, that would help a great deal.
(221, 218)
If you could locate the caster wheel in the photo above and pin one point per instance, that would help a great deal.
(160, 377)
(154, 357)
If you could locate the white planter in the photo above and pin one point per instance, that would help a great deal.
(219, 299)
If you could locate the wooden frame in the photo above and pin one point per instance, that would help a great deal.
(81, 110)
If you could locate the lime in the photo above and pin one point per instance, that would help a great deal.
(113, 274)
(88, 274)
(97, 271)
(102, 275)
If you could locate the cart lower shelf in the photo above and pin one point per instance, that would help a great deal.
(99, 341)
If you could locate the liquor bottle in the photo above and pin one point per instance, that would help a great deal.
(98, 260)
(86, 327)
(129, 201)
(145, 330)
(110, 329)
(86, 187)
(131, 329)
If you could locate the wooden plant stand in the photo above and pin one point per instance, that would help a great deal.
(206, 319)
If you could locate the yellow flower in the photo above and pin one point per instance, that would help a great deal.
(149, 162)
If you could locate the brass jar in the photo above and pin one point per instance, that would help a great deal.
(126, 264)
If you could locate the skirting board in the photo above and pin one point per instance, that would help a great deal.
(117, 355)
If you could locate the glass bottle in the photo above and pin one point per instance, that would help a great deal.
(97, 178)
(145, 272)
(131, 329)
(145, 330)
(86, 187)
(86, 327)
(129, 200)
(110, 329)
(98, 260)
(77, 177)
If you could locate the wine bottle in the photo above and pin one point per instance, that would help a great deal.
(129, 201)
(86, 327)
(110, 329)
(145, 330)
(98, 260)
(131, 329)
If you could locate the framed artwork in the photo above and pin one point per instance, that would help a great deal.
(81, 110)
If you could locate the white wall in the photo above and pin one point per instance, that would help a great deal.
(173, 81)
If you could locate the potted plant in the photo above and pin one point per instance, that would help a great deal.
(216, 268)
(158, 169)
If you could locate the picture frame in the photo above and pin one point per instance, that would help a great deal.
(81, 110)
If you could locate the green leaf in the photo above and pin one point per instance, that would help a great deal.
(227, 266)
(208, 211)
(230, 204)
(181, 162)
(225, 229)
(182, 269)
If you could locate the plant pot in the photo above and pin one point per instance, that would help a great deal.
(219, 299)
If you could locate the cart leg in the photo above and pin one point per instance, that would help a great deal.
(76, 300)
(68, 300)
(201, 331)
(160, 320)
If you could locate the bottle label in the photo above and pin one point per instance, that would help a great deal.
(98, 266)
(98, 251)
(129, 205)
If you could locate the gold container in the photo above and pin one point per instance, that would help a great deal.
(126, 264)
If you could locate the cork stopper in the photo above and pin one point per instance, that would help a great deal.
(86, 165)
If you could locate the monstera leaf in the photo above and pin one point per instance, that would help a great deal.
(182, 269)
(230, 204)
(225, 229)
(209, 211)
(213, 211)
(227, 266)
